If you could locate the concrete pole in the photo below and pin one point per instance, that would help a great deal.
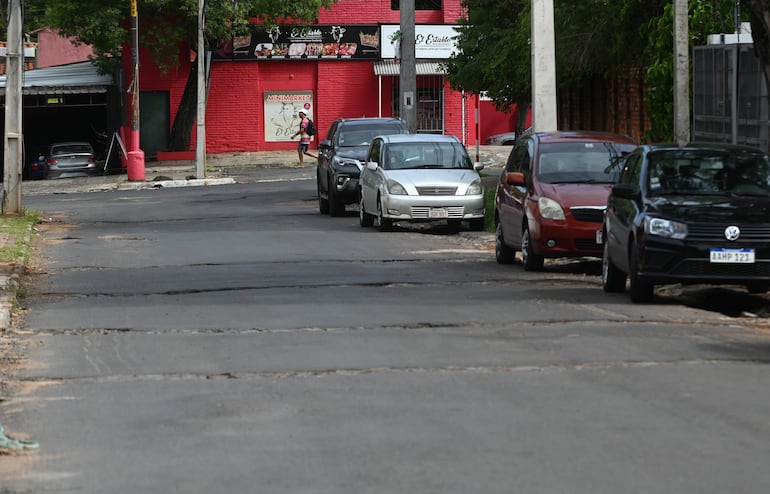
(200, 143)
(543, 67)
(681, 74)
(13, 142)
(135, 154)
(408, 71)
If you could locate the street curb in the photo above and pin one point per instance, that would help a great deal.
(9, 286)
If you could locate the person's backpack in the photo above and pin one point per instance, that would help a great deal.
(310, 129)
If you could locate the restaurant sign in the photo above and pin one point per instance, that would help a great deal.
(313, 42)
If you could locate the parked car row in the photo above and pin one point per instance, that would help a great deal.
(656, 214)
(395, 175)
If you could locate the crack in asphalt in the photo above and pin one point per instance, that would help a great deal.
(449, 369)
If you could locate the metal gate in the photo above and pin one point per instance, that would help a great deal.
(730, 101)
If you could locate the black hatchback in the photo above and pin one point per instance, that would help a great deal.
(695, 214)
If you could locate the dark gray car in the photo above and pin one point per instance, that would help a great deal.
(341, 156)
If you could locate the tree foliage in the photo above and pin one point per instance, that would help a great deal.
(593, 38)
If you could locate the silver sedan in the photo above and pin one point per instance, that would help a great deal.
(420, 178)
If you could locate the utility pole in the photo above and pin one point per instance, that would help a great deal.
(135, 154)
(407, 71)
(200, 142)
(543, 67)
(681, 74)
(13, 141)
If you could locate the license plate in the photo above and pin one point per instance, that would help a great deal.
(437, 213)
(732, 256)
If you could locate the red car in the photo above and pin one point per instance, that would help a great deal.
(551, 196)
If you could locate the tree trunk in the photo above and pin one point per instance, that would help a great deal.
(522, 110)
(759, 16)
(181, 131)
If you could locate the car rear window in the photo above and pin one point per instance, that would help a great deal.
(580, 162)
(72, 149)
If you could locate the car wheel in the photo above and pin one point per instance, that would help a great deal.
(323, 204)
(477, 225)
(613, 279)
(336, 206)
(532, 261)
(641, 291)
(757, 287)
(364, 218)
(503, 253)
(384, 224)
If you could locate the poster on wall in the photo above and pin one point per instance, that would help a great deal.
(313, 42)
(281, 113)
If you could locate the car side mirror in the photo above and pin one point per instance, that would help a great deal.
(516, 178)
(371, 165)
(478, 166)
(325, 144)
(625, 191)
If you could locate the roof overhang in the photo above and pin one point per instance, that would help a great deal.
(75, 78)
(392, 68)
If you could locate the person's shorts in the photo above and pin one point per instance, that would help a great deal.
(302, 146)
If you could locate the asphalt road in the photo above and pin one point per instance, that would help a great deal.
(231, 339)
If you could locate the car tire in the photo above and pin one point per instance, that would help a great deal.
(757, 288)
(323, 204)
(364, 218)
(477, 224)
(503, 253)
(336, 205)
(641, 291)
(532, 261)
(383, 224)
(613, 279)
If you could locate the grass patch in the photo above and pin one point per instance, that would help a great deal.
(15, 238)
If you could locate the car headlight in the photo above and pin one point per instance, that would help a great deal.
(550, 209)
(665, 228)
(474, 189)
(395, 188)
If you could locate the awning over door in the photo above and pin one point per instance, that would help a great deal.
(75, 78)
(426, 67)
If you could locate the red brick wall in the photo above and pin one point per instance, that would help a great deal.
(234, 116)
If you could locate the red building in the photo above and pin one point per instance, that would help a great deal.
(344, 65)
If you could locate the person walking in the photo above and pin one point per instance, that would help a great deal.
(304, 139)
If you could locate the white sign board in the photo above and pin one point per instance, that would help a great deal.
(281, 118)
(430, 41)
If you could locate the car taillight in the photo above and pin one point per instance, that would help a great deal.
(51, 161)
(92, 159)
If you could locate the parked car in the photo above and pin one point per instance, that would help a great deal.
(70, 159)
(35, 168)
(698, 214)
(551, 195)
(504, 139)
(420, 178)
(341, 155)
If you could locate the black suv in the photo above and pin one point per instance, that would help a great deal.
(341, 157)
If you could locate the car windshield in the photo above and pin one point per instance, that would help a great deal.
(709, 171)
(414, 155)
(71, 149)
(580, 162)
(362, 135)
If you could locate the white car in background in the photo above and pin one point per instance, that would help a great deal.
(504, 139)
(420, 178)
